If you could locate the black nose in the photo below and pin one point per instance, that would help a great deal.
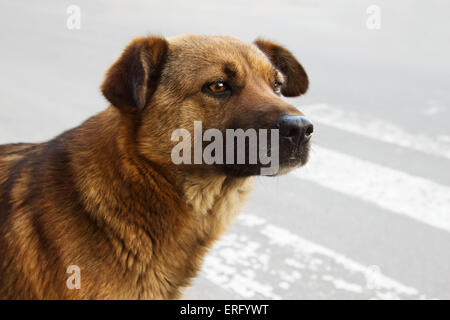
(296, 127)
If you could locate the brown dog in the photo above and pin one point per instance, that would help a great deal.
(106, 196)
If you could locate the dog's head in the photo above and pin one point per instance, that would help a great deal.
(218, 82)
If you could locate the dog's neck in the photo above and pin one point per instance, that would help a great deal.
(216, 199)
(201, 192)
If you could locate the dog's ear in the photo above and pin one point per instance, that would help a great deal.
(296, 78)
(132, 79)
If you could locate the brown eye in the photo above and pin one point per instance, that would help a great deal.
(217, 87)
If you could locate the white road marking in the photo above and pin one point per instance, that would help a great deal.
(376, 128)
(275, 263)
(396, 191)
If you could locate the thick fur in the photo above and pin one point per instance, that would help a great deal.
(105, 195)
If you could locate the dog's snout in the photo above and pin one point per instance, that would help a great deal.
(295, 127)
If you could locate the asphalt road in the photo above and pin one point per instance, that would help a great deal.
(368, 217)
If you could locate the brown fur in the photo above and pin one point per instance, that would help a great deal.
(105, 195)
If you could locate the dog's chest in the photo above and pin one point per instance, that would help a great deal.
(213, 204)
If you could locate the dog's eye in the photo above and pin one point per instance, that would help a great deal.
(218, 89)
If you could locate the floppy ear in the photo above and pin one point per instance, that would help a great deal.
(296, 78)
(132, 79)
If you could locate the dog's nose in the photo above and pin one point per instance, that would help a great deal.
(295, 127)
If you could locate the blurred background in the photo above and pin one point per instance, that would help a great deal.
(368, 217)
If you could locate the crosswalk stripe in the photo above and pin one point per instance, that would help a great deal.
(273, 260)
(378, 129)
(396, 191)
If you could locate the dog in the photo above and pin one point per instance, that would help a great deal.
(106, 199)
